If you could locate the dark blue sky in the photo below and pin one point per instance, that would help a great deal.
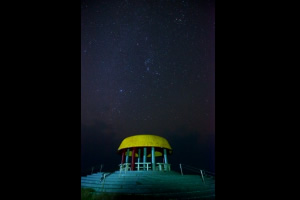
(148, 67)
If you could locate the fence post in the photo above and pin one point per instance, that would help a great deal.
(202, 176)
(92, 169)
(181, 169)
(101, 167)
(103, 175)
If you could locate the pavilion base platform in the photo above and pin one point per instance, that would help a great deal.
(149, 185)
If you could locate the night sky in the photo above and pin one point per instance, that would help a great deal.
(148, 67)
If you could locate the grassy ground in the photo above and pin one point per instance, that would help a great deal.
(88, 194)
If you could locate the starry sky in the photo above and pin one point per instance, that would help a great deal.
(148, 67)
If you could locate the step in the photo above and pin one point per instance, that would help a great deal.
(153, 180)
(153, 191)
(149, 182)
(138, 174)
(149, 190)
(170, 188)
(173, 185)
(157, 192)
(149, 176)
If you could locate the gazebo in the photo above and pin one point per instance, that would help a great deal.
(146, 146)
(147, 174)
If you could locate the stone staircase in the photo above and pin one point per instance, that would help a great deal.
(163, 185)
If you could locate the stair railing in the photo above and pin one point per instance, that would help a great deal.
(197, 170)
(102, 179)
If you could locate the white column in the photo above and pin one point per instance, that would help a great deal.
(139, 156)
(166, 165)
(165, 156)
(153, 158)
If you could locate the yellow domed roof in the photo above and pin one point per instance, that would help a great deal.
(145, 141)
